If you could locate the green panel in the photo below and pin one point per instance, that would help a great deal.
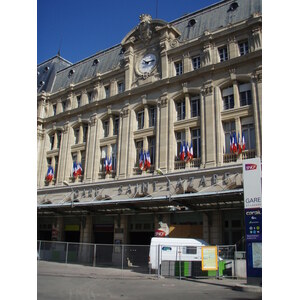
(185, 268)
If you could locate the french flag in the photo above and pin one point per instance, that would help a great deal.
(243, 142)
(240, 144)
(148, 160)
(141, 161)
(106, 165)
(109, 165)
(50, 173)
(182, 151)
(74, 169)
(231, 149)
(191, 151)
(79, 169)
(187, 152)
(234, 143)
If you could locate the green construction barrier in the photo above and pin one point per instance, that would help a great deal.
(185, 268)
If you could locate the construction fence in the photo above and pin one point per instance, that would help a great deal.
(168, 261)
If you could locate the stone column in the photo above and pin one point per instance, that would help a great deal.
(236, 94)
(157, 133)
(123, 160)
(218, 126)
(65, 169)
(128, 58)
(170, 129)
(59, 108)
(86, 231)
(187, 66)
(256, 120)
(111, 125)
(164, 132)
(40, 155)
(187, 101)
(164, 60)
(256, 39)
(210, 126)
(70, 103)
(84, 97)
(203, 143)
(232, 48)
(91, 149)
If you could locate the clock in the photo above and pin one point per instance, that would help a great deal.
(147, 63)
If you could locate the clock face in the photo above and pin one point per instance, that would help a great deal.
(147, 63)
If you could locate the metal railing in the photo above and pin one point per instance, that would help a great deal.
(167, 261)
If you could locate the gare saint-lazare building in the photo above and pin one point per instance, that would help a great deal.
(154, 129)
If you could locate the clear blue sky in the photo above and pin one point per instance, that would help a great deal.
(82, 28)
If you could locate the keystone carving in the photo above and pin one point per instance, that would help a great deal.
(145, 32)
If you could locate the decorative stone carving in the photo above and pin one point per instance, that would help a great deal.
(145, 32)
(174, 43)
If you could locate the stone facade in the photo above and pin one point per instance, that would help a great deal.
(160, 87)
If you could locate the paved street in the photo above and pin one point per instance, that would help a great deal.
(73, 282)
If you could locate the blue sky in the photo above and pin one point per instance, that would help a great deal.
(81, 28)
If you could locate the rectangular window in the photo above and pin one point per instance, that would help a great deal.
(49, 160)
(196, 62)
(195, 107)
(228, 99)
(103, 151)
(189, 250)
(223, 55)
(56, 167)
(85, 132)
(58, 139)
(106, 128)
(178, 68)
(140, 120)
(116, 126)
(152, 116)
(89, 95)
(54, 109)
(243, 47)
(78, 100)
(196, 142)
(180, 109)
(64, 105)
(76, 135)
(151, 147)
(107, 91)
(245, 94)
(121, 87)
(51, 141)
(249, 134)
(114, 156)
(83, 161)
(139, 148)
(229, 129)
(180, 138)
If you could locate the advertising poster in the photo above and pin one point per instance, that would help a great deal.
(209, 258)
(253, 224)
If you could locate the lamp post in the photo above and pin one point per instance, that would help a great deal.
(160, 172)
(72, 190)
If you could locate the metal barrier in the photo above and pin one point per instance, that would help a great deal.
(167, 261)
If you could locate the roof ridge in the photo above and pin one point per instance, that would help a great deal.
(55, 56)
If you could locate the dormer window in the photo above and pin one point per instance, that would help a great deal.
(191, 23)
(95, 62)
(233, 6)
(71, 72)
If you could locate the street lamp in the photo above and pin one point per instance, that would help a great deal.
(72, 192)
(160, 172)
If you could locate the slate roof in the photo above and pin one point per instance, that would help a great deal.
(47, 70)
(210, 18)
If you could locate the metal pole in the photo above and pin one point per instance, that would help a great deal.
(67, 249)
(40, 250)
(122, 258)
(218, 273)
(94, 258)
(234, 261)
(179, 263)
(158, 260)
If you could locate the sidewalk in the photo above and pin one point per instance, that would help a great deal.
(70, 270)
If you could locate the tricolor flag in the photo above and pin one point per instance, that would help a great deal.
(79, 169)
(50, 174)
(74, 169)
(182, 151)
(109, 165)
(231, 149)
(187, 151)
(191, 151)
(234, 143)
(239, 144)
(148, 162)
(243, 142)
(106, 165)
(141, 161)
